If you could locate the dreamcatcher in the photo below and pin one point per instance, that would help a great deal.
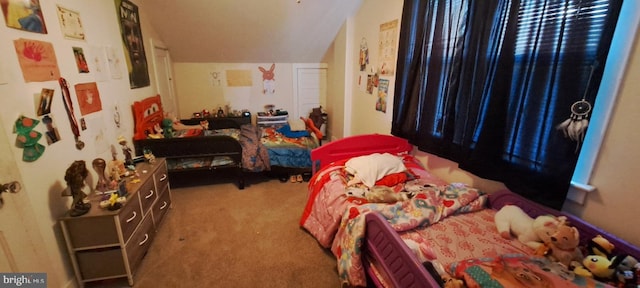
(576, 126)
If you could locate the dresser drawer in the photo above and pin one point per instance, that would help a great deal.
(148, 195)
(130, 216)
(139, 244)
(161, 177)
(161, 207)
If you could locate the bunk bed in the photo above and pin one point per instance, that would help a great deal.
(399, 242)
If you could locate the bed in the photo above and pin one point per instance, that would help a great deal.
(396, 242)
(289, 145)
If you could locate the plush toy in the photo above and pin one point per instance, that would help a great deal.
(167, 128)
(600, 246)
(599, 266)
(626, 270)
(563, 244)
(511, 220)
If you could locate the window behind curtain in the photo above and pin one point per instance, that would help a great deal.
(484, 83)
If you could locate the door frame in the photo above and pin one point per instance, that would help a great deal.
(294, 69)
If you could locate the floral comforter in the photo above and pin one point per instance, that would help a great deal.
(426, 207)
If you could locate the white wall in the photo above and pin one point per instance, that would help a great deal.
(196, 91)
(44, 178)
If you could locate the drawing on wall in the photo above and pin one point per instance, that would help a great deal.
(37, 60)
(383, 91)
(98, 63)
(387, 47)
(114, 63)
(70, 23)
(43, 101)
(133, 43)
(216, 78)
(88, 98)
(268, 79)
(24, 15)
(81, 60)
(364, 54)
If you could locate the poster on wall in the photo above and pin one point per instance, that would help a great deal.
(98, 63)
(383, 91)
(88, 98)
(24, 15)
(70, 23)
(37, 60)
(133, 43)
(387, 47)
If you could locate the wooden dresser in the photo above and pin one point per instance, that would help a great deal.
(106, 244)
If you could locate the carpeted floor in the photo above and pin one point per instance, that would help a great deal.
(218, 236)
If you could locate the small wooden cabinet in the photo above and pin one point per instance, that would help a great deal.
(106, 244)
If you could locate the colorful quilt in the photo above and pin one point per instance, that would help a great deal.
(426, 207)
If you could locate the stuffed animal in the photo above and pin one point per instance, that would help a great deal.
(563, 244)
(627, 269)
(600, 246)
(511, 220)
(167, 128)
(599, 267)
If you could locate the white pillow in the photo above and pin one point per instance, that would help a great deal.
(371, 168)
(297, 125)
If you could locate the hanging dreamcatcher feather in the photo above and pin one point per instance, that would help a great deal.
(576, 126)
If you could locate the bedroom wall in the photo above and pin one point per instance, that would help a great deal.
(613, 175)
(197, 89)
(43, 180)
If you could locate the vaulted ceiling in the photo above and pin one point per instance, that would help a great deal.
(248, 31)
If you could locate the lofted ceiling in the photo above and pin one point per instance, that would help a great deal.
(248, 31)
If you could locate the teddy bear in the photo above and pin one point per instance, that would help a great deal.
(563, 244)
(512, 220)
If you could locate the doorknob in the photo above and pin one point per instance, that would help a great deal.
(12, 187)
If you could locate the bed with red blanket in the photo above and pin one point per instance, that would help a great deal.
(385, 233)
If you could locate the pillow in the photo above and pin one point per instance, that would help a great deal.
(370, 168)
(312, 127)
(392, 179)
(147, 113)
(297, 125)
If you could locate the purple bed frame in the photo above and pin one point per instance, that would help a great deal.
(384, 246)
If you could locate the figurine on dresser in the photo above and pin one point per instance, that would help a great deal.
(75, 176)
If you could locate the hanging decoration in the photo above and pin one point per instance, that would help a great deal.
(68, 105)
(28, 138)
(364, 54)
(576, 126)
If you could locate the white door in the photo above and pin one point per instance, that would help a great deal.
(164, 79)
(20, 240)
(310, 89)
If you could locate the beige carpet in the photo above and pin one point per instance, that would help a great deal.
(219, 236)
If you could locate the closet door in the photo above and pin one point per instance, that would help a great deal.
(164, 79)
(310, 87)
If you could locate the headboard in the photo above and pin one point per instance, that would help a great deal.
(358, 145)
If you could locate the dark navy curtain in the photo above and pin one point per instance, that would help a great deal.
(485, 83)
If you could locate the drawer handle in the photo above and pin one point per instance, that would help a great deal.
(164, 204)
(150, 194)
(132, 217)
(164, 177)
(146, 237)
